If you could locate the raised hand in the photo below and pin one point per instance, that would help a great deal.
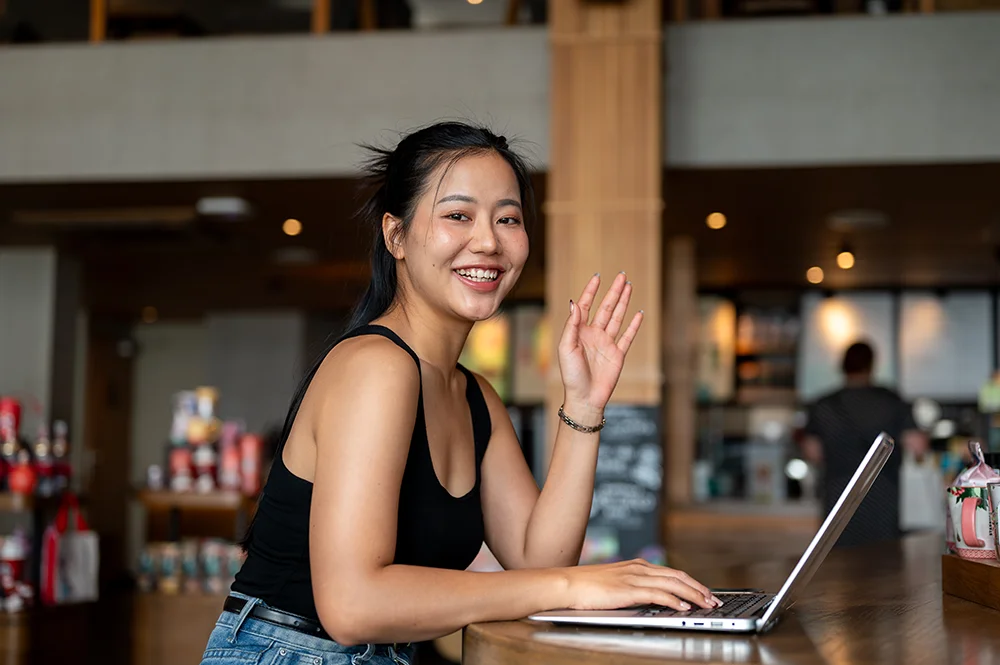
(591, 353)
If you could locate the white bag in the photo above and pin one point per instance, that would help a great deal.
(70, 557)
(921, 495)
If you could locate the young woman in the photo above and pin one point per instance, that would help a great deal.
(397, 463)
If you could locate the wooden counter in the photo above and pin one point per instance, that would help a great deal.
(880, 604)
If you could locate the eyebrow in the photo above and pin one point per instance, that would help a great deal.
(469, 199)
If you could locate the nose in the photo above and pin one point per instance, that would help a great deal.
(484, 237)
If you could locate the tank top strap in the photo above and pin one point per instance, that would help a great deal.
(375, 329)
(482, 424)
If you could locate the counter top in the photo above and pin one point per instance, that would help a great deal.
(878, 604)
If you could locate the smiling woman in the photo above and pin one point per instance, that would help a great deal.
(396, 463)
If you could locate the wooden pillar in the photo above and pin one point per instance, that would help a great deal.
(320, 17)
(681, 311)
(604, 210)
(98, 20)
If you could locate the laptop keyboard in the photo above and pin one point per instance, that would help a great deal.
(734, 604)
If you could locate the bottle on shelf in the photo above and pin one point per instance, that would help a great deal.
(61, 470)
(44, 463)
(22, 478)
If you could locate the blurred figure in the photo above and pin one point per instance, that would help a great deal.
(840, 430)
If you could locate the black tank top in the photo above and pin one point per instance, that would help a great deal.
(434, 528)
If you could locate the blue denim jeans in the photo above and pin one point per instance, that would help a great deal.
(240, 640)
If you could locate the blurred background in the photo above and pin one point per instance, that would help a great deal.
(780, 178)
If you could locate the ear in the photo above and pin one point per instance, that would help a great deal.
(392, 233)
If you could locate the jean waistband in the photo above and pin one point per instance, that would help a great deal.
(261, 613)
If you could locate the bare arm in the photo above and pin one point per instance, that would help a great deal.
(361, 595)
(526, 528)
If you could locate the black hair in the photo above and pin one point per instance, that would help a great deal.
(858, 359)
(399, 177)
(396, 179)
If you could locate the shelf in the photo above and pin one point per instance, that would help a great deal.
(218, 500)
(16, 503)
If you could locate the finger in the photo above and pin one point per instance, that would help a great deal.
(676, 587)
(611, 299)
(688, 580)
(618, 315)
(586, 300)
(571, 329)
(653, 596)
(626, 339)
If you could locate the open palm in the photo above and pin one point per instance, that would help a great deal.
(591, 354)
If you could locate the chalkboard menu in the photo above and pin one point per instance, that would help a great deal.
(625, 514)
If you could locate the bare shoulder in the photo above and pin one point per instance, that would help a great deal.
(366, 366)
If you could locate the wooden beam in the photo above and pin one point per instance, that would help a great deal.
(681, 309)
(320, 17)
(680, 11)
(367, 16)
(513, 11)
(98, 20)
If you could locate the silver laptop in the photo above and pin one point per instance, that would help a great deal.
(748, 611)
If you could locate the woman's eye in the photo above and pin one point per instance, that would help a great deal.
(458, 217)
(509, 220)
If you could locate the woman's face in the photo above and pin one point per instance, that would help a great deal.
(466, 245)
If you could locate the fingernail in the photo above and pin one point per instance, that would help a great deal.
(621, 272)
(628, 282)
(571, 305)
(642, 311)
(597, 274)
(685, 606)
(717, 601)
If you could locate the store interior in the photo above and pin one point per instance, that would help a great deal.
(197, 304)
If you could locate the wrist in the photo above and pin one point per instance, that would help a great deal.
(582, 412)
(560, 589)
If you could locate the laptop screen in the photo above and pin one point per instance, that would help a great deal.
(832, 526)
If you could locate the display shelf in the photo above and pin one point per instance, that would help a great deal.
(173, 628)
(16, 503)
(217, 500)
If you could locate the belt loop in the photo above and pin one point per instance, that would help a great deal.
(396, 658)
(359, 658)
(244, 613)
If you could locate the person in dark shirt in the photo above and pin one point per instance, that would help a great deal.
(841, 428)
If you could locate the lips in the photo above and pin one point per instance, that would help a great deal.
(478, 278)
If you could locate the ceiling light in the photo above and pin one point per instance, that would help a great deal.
(716, 221)
(845, 259)
(292, 227)
(474, 2)
(814, 275)
(232, 207)
(855, 219)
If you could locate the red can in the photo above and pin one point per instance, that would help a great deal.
(251, 450)
(10, 418)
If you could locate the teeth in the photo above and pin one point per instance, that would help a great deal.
(478, 274)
